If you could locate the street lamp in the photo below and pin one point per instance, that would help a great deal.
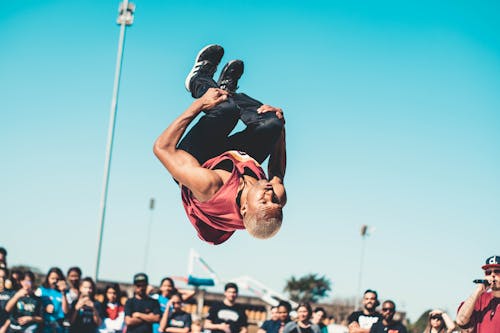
(125, 18)
(364, 232)
(148, 236)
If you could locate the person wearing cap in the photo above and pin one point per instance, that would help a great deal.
(141, 311)
(388, 324)
(478, 313)
(362, 321)
(227, 316)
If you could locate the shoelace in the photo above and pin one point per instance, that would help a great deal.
(228, 84)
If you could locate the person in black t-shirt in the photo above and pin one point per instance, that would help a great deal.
(362, 321)
(227, 317)
(86, 313)
(387, 324)
(174, 319)
(141, 311)
(24, 307)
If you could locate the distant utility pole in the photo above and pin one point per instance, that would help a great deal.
(148, 236)
(125, 18)
(364, 233)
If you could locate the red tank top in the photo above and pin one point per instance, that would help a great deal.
(216, 220)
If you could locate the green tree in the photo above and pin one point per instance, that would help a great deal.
(309, 288)
(420, 324)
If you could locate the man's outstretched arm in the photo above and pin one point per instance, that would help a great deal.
(182, 165)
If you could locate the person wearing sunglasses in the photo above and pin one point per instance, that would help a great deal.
(388, 324)
(478, 313)
(439, 322)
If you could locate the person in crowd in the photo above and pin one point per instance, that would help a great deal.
(114, 314)
(174, 319)
(282, 318)
(227, 316)
(270, 324)
(362, 321)
(479, 312)
(167, 289)
(141, 311)
(334, 327)
(439, 322)
(274, 313)
(223, 186)
(53, 295)
(86, 312)
(5, 295)
(303, 323)
(74, 276)
(3, 257)
(318, 317)
(24, 307)
(14, 282)
(388, 324)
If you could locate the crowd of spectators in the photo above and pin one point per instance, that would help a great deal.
(68, 304)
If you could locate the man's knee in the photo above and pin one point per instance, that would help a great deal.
(270, 125)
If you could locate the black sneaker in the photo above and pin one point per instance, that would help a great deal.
(206, 62)
(230, 75)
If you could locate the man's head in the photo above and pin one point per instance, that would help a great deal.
(262, 211)
(319, 314)
(230, 292)
(388, 310)
(140, 284)
(370, 300)
(492, 272)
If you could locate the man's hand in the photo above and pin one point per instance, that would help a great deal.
(225, 327)
(269, 108)
(24, 320)
(22, 292)
(213, 97)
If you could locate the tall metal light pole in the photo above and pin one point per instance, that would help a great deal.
(125, 18)
(148, 236)
(364, 233)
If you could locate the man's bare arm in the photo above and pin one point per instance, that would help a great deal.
(182, 165)
(277, 167)
(465, 312)
(355, 328)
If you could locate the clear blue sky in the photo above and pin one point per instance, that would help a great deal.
(393, 120)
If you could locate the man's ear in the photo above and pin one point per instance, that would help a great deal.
(243, 209)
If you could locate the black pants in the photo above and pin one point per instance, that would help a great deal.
(210, 136)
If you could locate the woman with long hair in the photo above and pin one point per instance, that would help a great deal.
(114, 315)
(53, 295)
(167, 289)
(439, 322)
(303, 323)
(174, 319)
(86, 312)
